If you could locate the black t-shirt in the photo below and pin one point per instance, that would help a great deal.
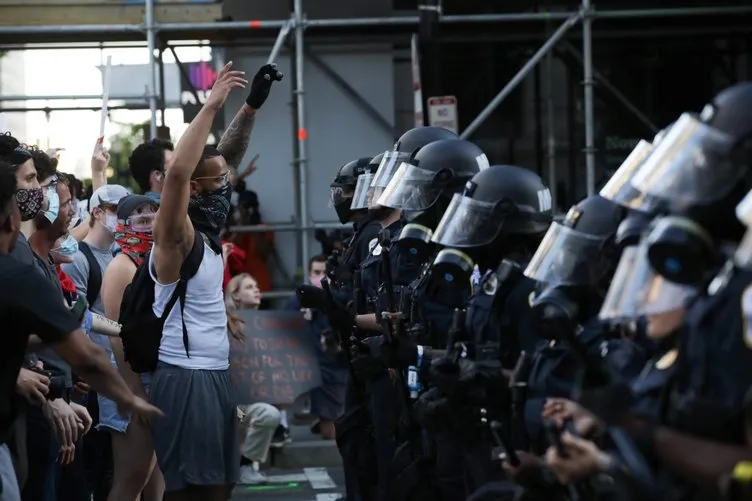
(28, 304)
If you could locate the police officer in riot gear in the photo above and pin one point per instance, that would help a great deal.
(406, 146)
(342, 191)
(422, 188)
(702, 170)
(575, 262)
(495, 224)
(574, 265)
(380, 398)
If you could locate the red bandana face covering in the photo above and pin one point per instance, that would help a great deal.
(134, 244)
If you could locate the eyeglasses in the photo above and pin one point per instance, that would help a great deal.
(223, 178)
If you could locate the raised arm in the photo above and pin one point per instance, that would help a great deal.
(236, 138)
(172, 228)
(234, 142)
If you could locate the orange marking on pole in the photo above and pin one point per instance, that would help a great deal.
(255, 23)
(302, 134)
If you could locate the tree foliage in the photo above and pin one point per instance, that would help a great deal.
(121, 146)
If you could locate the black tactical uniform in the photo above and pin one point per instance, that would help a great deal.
(495, 224)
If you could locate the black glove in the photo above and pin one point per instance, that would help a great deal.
(341, 319)
(362, 363)
(398, 354)
(262, 84)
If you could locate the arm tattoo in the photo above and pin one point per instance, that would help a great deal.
(235, 140)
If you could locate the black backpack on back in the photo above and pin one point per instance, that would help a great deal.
(94, 281)
(141, 329)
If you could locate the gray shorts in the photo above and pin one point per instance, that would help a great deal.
(196, 441)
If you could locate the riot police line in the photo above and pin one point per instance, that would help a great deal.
(496, 354)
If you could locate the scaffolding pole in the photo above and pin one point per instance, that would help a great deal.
(98, 97)
(241, 26)
(151, 43)
(587, 82)
(520, 76)
(301, 161)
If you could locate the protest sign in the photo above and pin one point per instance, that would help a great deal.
(278, 361)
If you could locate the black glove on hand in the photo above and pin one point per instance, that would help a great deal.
(262, 84)
(399, 354)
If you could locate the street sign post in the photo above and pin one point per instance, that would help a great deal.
(442, 112)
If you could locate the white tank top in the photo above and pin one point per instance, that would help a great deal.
(205, 316)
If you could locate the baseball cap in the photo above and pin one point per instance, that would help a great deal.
(109, 194)
(130, 203)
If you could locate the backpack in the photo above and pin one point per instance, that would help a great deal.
(94, 281)
(141, 329)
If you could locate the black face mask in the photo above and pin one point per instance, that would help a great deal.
(556, 314)
(380, 213)
(208, 212)
(344, 213)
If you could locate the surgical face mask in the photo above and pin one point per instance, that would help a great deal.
(68, 247)
(54, 204)
(110, 221)
(315, 280)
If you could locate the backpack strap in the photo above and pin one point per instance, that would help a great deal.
(94, 281)
(187, 271)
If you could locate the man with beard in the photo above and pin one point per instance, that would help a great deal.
(196, 443)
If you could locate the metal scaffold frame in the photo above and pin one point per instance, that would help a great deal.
(298, 22)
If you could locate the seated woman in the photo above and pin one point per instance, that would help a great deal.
(258, 421)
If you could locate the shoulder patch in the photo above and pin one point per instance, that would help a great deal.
(372, 244)
(667, 360)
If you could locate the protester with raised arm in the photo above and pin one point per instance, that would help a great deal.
(196, 442)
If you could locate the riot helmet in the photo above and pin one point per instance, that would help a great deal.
(701, 168)
(406, 146)
(636, 290)
(437, 170)
(363, 191)
(414, 139)
(500, 208)
(342, 189)
(575, 262)
(502, 198)
(632, 228)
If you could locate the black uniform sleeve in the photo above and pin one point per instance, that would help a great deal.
(38, 302)
(370, 231)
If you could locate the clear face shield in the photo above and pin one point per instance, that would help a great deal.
(411, 189)
(566, 257)
(637, 290)
(467, 223)
(363, 192)
(743, 253)
(691, 165)
(619, 187)
(389, 165)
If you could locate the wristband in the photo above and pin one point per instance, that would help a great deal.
(419, 361)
